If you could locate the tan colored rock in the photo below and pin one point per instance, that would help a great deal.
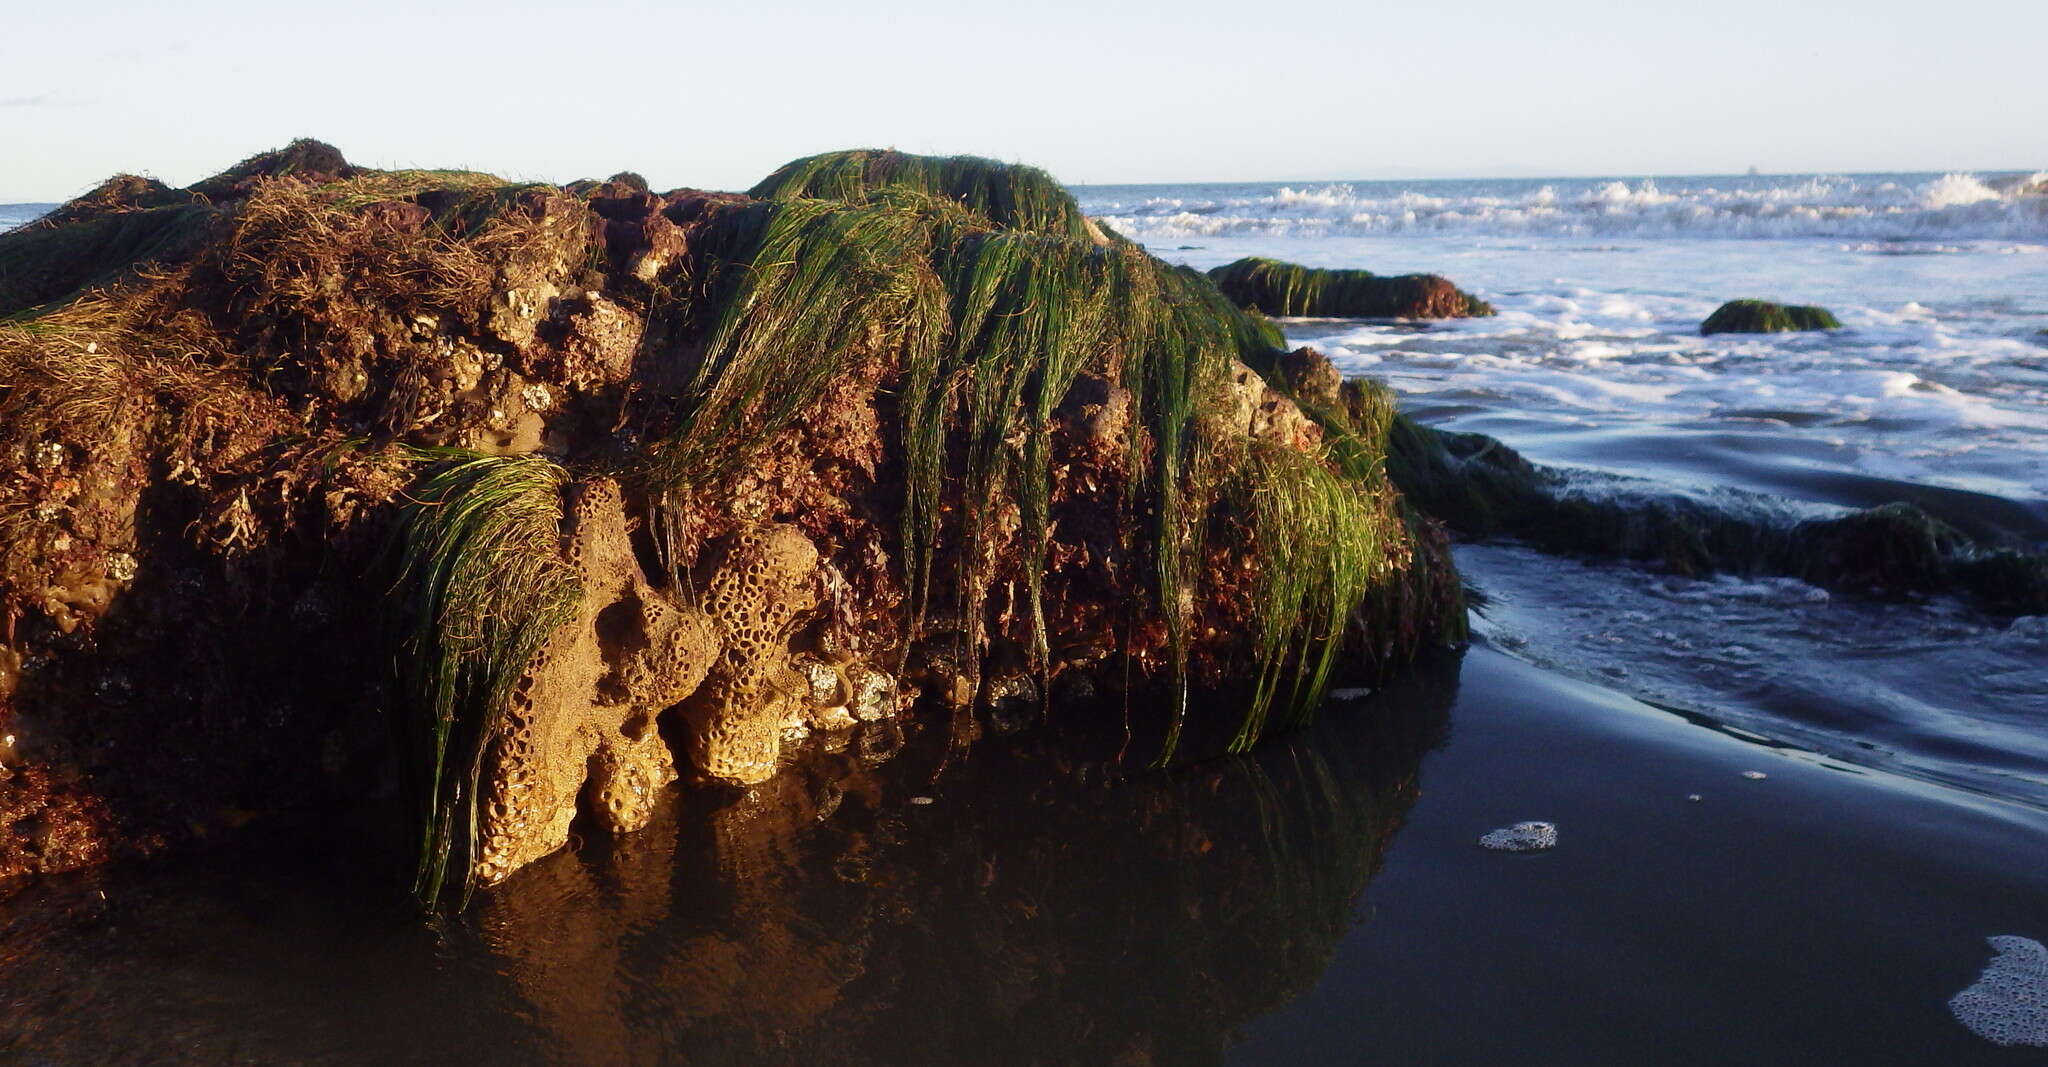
(761, 586)
(1262, 413)
(587, 707)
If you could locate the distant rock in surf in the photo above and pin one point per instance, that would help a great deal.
(1276, 288)
(1762, 316)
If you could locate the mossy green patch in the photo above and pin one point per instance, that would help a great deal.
(1277, 288)
(1008, 195)
(1762, 316)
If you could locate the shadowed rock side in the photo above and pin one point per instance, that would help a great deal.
(1762, 316)
(1275, 288)
(625, 482)
(1484, 489)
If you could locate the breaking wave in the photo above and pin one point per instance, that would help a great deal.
(1950, 206)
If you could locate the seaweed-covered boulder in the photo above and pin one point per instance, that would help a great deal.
(96, 238)
(120, 193)
(633, 486)
(1762, 316)
(305, 160)
(1893, 547)
(1276, 288)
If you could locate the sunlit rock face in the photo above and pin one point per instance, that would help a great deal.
(584, 713)
(497, 507)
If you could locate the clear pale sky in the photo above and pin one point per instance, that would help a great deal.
(1095, 91)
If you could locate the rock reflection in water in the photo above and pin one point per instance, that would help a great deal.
(1033, 912)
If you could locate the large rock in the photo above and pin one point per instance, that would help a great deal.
(632, 486)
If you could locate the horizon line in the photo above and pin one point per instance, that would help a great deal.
(1612, 176)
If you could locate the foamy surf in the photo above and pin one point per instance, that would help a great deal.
(1532, 836)
(2008, 1003)
(1886, 207)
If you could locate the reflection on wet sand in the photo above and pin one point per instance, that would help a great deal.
(1037, 909)
(1031, 912)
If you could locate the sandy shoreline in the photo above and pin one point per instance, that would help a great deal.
(1822, 914)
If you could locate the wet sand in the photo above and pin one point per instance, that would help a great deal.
(1822, 914)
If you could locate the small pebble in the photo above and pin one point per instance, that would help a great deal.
(920, 800)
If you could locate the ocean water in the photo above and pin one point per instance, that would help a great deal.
(1935, 391)
(12, 215)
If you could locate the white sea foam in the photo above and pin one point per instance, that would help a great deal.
(1521, 837)
(2008, 1003)
(1953, 190)
(1951, 206)
(1911, 390)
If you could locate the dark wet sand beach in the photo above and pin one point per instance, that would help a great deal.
(1822, 914)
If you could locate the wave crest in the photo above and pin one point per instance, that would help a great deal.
(1955, 206)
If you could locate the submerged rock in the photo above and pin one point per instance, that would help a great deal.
(633, 486)
(1762, 316)
(1275, 288)
(1484, 489)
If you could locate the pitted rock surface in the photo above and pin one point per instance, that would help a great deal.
(586, 709)
(761, 586)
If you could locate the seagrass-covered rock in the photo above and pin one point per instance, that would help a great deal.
(572, 490)
(1275, 288)
(1762, 316)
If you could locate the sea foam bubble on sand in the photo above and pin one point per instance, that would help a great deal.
(1521, 837)
(2008, 1004)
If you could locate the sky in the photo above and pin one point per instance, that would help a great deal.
(1095, 91)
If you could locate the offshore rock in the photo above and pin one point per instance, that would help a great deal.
(1276, 288)
(1762, 316)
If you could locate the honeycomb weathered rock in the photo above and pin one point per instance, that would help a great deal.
(586, 709)
(760, 587)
